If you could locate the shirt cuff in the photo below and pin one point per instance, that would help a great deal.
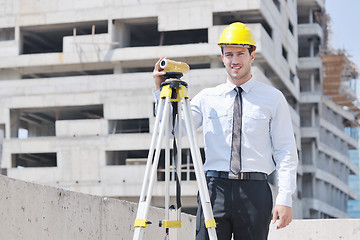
(156, 93)
(284, 199)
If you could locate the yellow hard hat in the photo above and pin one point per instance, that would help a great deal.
(237, 34)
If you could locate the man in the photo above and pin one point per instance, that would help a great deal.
(248, 134)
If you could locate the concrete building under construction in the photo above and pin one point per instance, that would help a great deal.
(76, 102)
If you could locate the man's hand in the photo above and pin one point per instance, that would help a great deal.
(158, 75)
(285, 215)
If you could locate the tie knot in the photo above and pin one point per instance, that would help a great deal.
(238, 89)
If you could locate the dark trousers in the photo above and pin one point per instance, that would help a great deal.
(242, 209)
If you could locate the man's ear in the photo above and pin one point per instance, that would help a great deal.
(252, 56)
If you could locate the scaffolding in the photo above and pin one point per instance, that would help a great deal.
(339, 72)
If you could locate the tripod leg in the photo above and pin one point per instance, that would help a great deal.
(144, 204)
(175, 214)
(199, 172)
(151, 150)
(167, 166)
(179, 159)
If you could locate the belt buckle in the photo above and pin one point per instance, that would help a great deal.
(231, 175)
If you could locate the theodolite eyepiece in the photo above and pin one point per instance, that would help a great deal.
(173, 66)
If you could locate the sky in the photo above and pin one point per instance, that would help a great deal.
(345, 17)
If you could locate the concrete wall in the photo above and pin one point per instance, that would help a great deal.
(31, 211)
(320, 229)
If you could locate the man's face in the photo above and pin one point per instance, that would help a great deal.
(237, 61)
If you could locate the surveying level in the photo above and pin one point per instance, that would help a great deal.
(173, 91)
(172, 66)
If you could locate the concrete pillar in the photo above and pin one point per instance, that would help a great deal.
(312, 82)
(118, 69)
(2, 137)
(313, 152)
(216, 63)
(120, 33)
(14, 123)
(110, 27)
(311, 16)
(18, 39)
(33, 131)
(313, 113)
(312, 45)
(9, 74)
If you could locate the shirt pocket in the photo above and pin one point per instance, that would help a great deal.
(256, 123)
(216, 122)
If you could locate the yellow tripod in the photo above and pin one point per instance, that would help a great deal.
(173, 90)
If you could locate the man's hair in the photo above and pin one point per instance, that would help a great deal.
(249, 47)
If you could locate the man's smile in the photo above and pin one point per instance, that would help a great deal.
(236, 68)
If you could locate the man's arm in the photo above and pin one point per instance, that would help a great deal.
(285, 156)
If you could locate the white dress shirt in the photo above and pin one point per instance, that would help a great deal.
(266, 131)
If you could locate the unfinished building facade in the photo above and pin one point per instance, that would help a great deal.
(328, 117)
(76, 89)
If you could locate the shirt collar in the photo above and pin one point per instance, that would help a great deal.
(245, 86)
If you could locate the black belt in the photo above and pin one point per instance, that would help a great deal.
(240, 176)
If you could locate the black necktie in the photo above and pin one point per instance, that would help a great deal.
(235, 163)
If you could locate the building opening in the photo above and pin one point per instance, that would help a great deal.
(33, 160)
(39, 122)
